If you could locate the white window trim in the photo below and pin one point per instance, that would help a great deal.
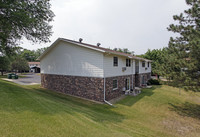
(117, 61)
(129, 61)
(144, 64)
(147, 64)
(117, 85)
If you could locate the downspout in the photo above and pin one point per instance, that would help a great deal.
(132, 74)
(104, 86)
(105, 93)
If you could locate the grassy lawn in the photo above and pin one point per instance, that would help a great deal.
(156, 112)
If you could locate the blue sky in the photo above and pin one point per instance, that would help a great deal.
(138, 25)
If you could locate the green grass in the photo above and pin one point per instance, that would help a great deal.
(4, 76)
(156, 112)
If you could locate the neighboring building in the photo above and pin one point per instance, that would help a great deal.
(90, 71)
(34, 67)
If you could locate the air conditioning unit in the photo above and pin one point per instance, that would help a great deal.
(123, 69)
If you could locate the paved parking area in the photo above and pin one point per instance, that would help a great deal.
(29, 79)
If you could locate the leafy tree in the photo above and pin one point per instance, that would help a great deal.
(4, 64)
(29, 55)
(183, 50)
(40, 51)
(124, 50)
(158, 56)
(20, 64)
(24, 18)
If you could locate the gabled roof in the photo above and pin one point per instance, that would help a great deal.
(93, 47)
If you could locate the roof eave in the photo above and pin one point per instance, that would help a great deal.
(131, 57)
(48, 49)
(93, 48)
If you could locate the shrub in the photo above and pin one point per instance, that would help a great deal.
(153, 82)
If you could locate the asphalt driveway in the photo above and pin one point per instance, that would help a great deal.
(29, 79)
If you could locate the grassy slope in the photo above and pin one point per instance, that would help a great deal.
(160, 111)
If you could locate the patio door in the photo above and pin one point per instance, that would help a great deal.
(143, 80)
(127, 84)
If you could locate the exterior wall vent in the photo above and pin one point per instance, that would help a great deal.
(98, 44)
(80, 40)
(123, 69)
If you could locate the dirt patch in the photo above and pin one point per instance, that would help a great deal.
(179, 127)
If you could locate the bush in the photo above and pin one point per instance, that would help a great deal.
(153, 82)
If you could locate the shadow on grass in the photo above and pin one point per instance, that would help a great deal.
(131, 100)
(187, 109)
(16, 99)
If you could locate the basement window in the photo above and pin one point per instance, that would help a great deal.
(115, 84)
(128, 62)
(115, 61)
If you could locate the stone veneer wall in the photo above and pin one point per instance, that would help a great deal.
(138, 78)
(110, 93)
(86, 87)
(90, 87)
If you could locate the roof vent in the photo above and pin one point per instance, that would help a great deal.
(80, 40)
(98, 44)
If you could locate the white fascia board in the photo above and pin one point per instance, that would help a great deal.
(48, 49)
(60, 39)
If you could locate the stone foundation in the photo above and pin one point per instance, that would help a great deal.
(86, 87)
(138, 79)
(90, 87)
(110, 93)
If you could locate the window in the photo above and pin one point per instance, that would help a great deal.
(148, 64)
(143, 64)
(115, 86)
(115, 61)
(128, 62)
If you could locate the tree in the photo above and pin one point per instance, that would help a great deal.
(29, 55)
(4, 64)
(20, 64)
(24, 18)
(158, 56)
(183, 50)
(124, 50)
(40, 51)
